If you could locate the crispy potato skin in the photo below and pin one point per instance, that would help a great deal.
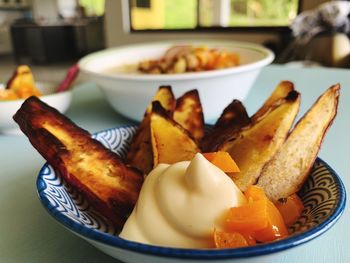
(281, 91)
(233, 118)
(189, 114)
(109, 185)
(166, 98)
(140, 152)
(286, 172)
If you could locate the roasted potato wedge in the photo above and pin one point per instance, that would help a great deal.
(166, 98)
(171, 143)
(110, 186)
(286, 172)
(140, 152)
(256, 144)
(189, 114)
(22, 83)
(280, 92)
(232, 119)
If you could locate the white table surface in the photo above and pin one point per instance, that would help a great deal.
(29, 234)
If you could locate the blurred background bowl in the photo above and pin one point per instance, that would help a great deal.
(129, 93)
(8, 108)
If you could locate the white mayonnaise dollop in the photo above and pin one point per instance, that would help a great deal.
(181, 204)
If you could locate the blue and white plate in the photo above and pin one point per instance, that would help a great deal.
(323, 195)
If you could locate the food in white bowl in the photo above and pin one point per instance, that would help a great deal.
(129, 91)
(21, 86)
(183, 59)
(60, 101)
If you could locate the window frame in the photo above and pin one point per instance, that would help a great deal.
(127, 24)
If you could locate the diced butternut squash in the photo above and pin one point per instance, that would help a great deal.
(249, 237)
(276, 227)
(290, 209)
(223, 160)
(259, 217)
(255, 193)
(248, 218)
(224, 239)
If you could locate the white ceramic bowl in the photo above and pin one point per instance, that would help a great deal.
(130, 93)
(60, 101)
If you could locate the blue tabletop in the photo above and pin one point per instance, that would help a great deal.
(29, 234)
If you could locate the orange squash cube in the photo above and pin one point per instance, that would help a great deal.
(255, 193)
(223, 160)
(259, 217)
(248, 218)
(276, 227)
(291, 209)
(224, 239)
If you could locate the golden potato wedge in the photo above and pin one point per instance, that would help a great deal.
(166, 98)
(189, 114)
(171, 143)
(286, 172)
(280, 92)
(140, 152)
(256, 144)
(109, 185)
(22, 83)
(232, 119)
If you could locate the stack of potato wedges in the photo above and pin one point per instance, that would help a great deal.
(169, 132)
(269, 151)
(265, 147)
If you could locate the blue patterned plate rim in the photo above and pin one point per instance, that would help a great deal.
(258, 250)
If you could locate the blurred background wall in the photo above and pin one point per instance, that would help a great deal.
(46, 31)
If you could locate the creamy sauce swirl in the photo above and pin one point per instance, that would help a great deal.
(180, 205)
